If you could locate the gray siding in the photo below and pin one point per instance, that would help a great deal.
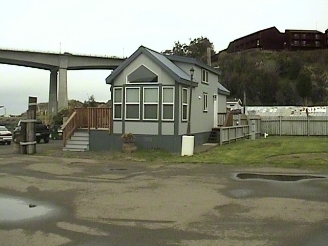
(117, 127)
(147, 128)
(200, 121)
(167, 128)
(222, 101)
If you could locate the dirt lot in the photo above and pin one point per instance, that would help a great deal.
(125, 203)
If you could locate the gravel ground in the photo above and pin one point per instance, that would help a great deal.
(101, 202)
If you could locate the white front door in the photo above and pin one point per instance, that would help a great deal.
(215, 111)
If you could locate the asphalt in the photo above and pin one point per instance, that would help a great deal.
(102, 202)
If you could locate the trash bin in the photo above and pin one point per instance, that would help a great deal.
(56, 133)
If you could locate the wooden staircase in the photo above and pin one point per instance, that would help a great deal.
(76, 129)
(78, 142)
(214, 136)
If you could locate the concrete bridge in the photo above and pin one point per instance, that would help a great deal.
(57, 64)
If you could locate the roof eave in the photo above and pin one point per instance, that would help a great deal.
(222, 92)
(187, 82)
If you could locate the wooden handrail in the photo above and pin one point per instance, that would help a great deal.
(69, 119)
(69, 127)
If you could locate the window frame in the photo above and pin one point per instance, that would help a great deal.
(205, 75)
(205, 102)
(117, 103)
(183, 104)
(131, 103)
(142, 82)
(150, 103)
(168, 103)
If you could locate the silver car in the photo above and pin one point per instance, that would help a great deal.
(5, 136)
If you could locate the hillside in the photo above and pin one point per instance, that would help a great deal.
(276, 78)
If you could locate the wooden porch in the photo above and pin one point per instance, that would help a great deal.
(87, 118)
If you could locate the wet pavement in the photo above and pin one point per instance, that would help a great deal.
(65, 201)
(15, 209)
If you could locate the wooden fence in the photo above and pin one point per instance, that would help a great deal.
(233, 133)
(295, 125)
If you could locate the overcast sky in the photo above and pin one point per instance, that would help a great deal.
(118, 28)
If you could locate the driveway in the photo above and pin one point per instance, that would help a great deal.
(125, 203)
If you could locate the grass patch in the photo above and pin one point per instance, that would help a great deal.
(300, 152)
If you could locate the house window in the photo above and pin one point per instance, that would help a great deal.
(317, 36)
(205, 102)
(184, 104)
(296, 42)
(304, 36)
(317, 43)
(168, 103)
(132, 103)
(303, 43)
(118, 97)
(296, 35)
(205, 76)
(142, 75)
(150, 103)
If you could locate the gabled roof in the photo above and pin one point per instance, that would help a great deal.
(161, 60)
(166, 62)
(190, 60)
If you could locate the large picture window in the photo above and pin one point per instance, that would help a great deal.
(150, 103)
(117, 102)
(184, 104)
(168, 103)
(132, 103)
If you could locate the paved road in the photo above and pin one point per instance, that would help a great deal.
(126, 203)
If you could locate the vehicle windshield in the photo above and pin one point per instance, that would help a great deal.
(3, 128)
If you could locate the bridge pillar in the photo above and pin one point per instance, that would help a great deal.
(62, 90)
(52, 106)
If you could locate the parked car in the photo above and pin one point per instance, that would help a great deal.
(5, 136)
(41, 132)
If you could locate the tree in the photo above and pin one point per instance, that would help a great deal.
(91, 102)
(304, 85)
(197, 48)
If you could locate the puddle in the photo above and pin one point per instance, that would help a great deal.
(277, 177)
(14, 209)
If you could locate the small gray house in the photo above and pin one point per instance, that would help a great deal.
(150, 98)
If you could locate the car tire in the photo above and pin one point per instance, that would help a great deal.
(38, 140)
(46, 139)
(3, 143)
(8, 143)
